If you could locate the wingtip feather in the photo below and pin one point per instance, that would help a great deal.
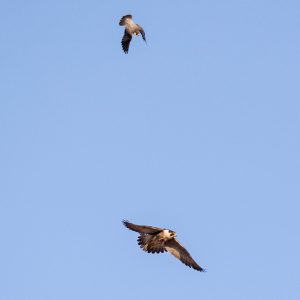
(125, 222)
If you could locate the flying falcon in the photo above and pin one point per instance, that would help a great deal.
(130, 29)
(159, 240)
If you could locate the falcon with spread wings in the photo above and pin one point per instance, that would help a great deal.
(158, 240)
(131, 29)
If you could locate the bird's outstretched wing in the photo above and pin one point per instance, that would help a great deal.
(126, 41)
(142, 228)
(142, 33)
(182, 254)
(123, 19)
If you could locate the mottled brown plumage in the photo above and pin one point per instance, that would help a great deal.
(131, 29)
(158, 240)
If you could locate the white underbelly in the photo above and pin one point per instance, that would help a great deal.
(131, 28)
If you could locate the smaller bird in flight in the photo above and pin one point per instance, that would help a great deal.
(158, 240)
(131, 29)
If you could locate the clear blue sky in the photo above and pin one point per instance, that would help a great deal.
(197, 131)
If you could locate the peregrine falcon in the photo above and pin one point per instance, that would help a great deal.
(159, 240)
(131, 28)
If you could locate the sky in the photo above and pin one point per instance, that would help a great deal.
(197, 131)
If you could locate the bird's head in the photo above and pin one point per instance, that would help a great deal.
(172, 233)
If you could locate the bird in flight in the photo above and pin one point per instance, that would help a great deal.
(158, 240)
(131, 29)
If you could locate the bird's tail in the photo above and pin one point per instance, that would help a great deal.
(144, 240)
(150, 243)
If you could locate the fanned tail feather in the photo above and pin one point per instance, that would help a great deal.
(150, 244)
